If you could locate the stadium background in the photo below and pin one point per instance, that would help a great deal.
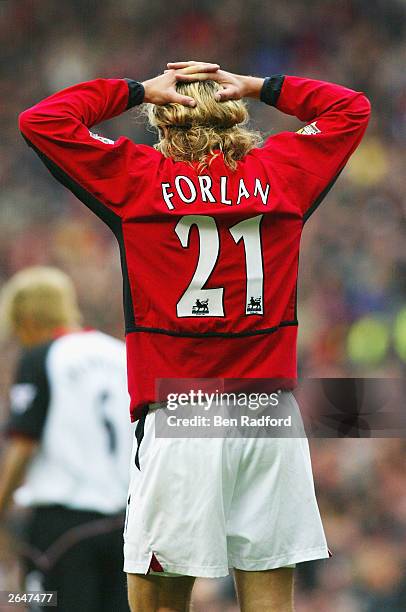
(352, 292)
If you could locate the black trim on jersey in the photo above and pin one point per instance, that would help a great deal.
(105, 214)
(127, 514)
(139, 435)
(28, 419)
(320, 198)
(136, 93)
(271, 89)
(296, 285)
(243, 334)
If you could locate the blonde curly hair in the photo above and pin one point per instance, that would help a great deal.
(197, 133)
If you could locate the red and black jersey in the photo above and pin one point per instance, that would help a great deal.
(209, 257)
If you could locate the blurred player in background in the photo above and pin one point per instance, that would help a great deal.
(68, 444)
(209, 228)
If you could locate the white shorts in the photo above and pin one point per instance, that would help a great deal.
(198, 507)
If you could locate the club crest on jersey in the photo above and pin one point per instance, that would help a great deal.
(254, 306)
(201, 307)
(309, 129)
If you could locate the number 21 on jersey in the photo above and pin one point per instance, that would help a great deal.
(199, 302)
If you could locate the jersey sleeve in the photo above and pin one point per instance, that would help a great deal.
(94, 168)
(29, 396)
(336, 119)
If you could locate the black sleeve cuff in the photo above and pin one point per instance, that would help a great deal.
(271, 89)
(136, 93)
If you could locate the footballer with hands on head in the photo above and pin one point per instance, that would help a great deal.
(209, 227)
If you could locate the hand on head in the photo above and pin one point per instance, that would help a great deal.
(162, 89)
(233, 85)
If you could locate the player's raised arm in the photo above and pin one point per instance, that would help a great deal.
(314, 156)
(336, 119)
(336, 116)
(59, 130)
(96, 169)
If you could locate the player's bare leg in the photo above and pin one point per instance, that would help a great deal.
(159, 594)
(271, 590)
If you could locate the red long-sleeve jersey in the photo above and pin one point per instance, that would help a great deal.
(209, 260)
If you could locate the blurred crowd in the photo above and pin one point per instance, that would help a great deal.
(352, 290)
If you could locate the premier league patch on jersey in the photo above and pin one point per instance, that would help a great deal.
(309, 129)
(254, 306)
(21, 397)
(201, 307)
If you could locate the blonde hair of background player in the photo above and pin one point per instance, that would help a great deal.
(39, 297)
(195, 133)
